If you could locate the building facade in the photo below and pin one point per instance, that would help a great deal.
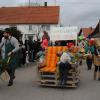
(29, 20)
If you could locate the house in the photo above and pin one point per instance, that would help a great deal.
(96, 32)
(29, 20)
(86, 31)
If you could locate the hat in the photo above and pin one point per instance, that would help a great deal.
(7, 30)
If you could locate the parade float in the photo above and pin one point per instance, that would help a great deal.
(48, 71)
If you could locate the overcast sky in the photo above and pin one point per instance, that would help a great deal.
(82, 13)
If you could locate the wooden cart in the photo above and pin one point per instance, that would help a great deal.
(49, 73)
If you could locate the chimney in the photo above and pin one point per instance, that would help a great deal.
(45, 4)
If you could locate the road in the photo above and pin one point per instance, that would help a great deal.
(26, 87)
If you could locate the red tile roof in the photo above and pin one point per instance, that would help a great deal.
(87, 31)
(29, 15)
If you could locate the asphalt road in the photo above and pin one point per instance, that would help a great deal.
(26, 87)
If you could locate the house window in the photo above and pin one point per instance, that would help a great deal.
(15, 26)
(46, 27)
(30, 27)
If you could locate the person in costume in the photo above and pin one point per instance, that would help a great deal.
(97, 59)
(89, 50)
(9, 46)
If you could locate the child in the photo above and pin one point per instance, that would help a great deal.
(64, 66)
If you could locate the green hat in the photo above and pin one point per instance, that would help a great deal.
(81, 37)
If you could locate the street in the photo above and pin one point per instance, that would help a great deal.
(26, 87)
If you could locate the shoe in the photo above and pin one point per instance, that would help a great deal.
(10, 83)
(89, 68)
(98, 79)
(13, 77)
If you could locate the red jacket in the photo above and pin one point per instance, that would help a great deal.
(45, 43)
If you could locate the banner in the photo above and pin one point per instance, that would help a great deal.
(63, 33)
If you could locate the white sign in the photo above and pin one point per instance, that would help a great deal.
(63, 33)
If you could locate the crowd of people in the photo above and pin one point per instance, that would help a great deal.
(90, 48)
(16, 53)
(32, 50)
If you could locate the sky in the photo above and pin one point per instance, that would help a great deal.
(81, 13)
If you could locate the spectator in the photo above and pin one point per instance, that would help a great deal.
(97, 60)
(89, 49)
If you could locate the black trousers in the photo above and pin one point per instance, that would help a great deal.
(89, 62)
(11, 71)
(97, 68)
(63, 72)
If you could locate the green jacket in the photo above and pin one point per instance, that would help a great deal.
(89, 48)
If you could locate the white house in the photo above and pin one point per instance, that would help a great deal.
(29, 20)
